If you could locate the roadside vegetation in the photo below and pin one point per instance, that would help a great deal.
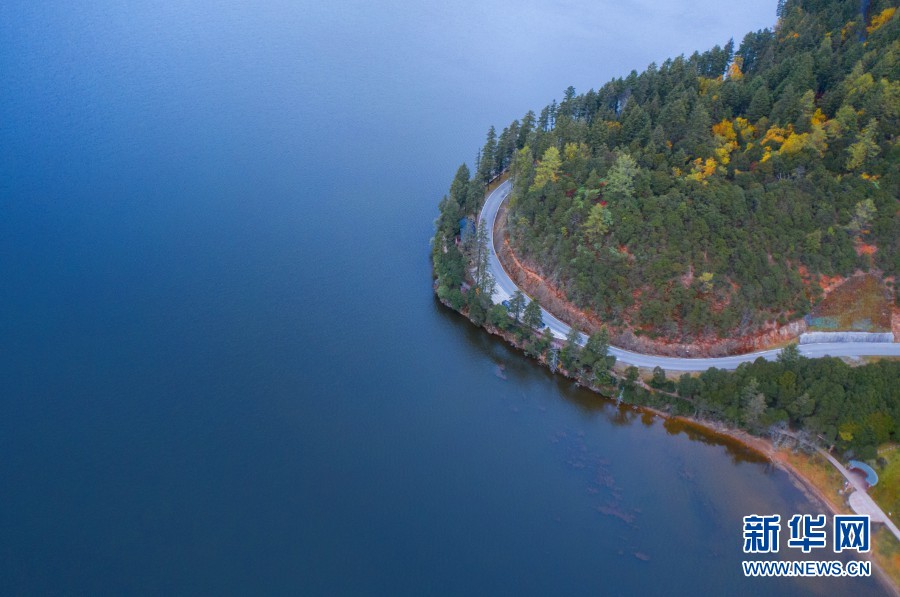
(887, 492)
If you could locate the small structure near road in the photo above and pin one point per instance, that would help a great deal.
(868, 471)
(828, 337)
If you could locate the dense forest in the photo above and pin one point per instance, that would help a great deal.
(704, 197)
(825, 401)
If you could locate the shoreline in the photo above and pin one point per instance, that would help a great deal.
(759, 446)
(764, 448)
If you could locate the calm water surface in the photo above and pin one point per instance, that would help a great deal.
(222, 367)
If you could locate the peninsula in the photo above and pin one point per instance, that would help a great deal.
(726, 216)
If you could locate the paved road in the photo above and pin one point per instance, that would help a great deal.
(860, 501)
(506, 287)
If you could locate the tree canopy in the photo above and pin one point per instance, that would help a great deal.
(762, 168)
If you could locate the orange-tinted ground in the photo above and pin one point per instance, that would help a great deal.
(861, 303)
(529, 279)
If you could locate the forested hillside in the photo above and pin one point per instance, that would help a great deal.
(707, 195)
(824, 400)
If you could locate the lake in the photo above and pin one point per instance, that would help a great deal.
(223, 369)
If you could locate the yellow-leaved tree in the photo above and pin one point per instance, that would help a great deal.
(547, 169)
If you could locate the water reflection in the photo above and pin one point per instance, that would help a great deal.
(734, 448)
(510, 363)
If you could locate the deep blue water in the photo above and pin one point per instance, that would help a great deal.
(222, 370)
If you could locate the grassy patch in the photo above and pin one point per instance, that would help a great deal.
(887, 492)
(887, 553)
(820, 473)
(829, 482)
(861, 304)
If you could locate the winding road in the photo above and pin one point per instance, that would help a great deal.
(505, 288)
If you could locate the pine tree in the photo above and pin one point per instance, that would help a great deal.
(865, 147)
(596, 349)
(532, 315)
(486, 165)
(516, 304)
(760, 104)
(620, 180)
(571, 350)
(753, 403)
(484, 279)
